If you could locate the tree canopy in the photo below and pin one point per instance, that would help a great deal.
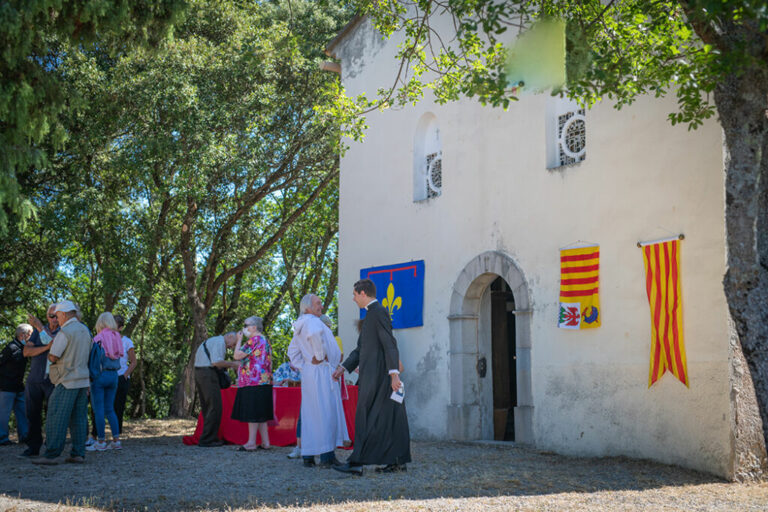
(31, 99)
(195, 184)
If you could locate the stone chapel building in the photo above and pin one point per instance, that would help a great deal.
(486, 198)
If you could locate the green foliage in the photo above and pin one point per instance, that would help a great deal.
(198, 177)
(32, 35)
(616, 50)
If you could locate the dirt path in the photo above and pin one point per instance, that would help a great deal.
(156, 471)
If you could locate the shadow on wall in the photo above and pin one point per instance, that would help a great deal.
(424, 385)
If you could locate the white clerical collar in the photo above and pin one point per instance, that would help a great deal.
(369, 304)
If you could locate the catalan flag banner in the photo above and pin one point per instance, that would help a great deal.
(662, 283)
(579, 287)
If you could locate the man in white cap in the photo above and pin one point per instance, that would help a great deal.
(68, 405)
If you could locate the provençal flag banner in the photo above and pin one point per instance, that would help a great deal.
(579, 288)
(400, 289)
(662, 283)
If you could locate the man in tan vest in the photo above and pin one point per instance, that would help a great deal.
(68, 405)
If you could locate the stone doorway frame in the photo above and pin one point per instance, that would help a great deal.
(464, 421)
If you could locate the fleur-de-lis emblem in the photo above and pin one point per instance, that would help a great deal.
(391, 302)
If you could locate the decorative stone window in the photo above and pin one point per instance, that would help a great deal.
(427, 159)
(566, 132)
(434, 174)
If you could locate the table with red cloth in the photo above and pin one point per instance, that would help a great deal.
(282, 431)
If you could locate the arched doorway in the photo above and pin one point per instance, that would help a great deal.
(489, 287)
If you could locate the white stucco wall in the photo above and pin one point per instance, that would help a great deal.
(642, 179)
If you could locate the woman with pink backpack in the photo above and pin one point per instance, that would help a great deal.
(104, 386)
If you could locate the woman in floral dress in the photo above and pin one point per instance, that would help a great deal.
(253, 402)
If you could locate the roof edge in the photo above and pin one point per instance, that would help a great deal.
(331, 46)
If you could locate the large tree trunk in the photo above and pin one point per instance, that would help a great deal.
(742, 102)
(184, 393)
(185, 388)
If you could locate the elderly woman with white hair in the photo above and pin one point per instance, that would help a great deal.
(253, 401)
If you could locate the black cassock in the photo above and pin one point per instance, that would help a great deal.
(381, 424)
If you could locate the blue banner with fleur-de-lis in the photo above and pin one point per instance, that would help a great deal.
(400, 289)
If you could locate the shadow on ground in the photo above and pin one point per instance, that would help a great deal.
(156, 471)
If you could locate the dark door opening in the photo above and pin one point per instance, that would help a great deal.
(503, 360)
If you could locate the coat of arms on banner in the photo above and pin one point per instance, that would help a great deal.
(579, 288)
(400, 289)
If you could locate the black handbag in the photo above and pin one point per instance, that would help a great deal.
(224, 379)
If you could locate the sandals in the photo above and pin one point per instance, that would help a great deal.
(258, 447)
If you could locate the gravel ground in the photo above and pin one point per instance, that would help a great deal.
(155, 471)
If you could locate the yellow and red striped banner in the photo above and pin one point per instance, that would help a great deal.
(579, 288)
(662, 282)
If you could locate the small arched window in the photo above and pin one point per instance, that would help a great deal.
(427, 159)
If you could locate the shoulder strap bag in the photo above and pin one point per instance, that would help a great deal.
(224, 380)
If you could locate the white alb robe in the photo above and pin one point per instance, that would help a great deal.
(323, 426)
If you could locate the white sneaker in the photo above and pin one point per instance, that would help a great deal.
(115, 445)
(89, 442)
(98, 446)
(296, 453)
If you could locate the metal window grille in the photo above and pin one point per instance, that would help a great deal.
(572, 137)
(434, 175)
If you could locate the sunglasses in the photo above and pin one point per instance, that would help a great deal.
(51, 316)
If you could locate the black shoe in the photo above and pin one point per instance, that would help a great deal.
(45, 461)
(7, 442)
(211, 445)
(392, 468)
(352, 469)
(329, 464)
(309, 463)
(29, 453)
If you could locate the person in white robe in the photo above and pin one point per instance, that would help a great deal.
(333, 341)
(314, 351)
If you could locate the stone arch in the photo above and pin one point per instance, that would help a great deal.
(464, 413)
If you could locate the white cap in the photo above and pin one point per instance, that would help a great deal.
(65, 306)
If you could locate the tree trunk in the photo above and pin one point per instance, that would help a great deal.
(741, 103)
(185, 388)
(333, 284)
(184, 393)
(142, 381)
(750, 462)
(228, 312)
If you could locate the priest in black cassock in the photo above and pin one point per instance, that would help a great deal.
(381, 425)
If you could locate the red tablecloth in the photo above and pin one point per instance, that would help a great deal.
(282, 432)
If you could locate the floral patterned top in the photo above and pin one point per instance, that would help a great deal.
(257, 368)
